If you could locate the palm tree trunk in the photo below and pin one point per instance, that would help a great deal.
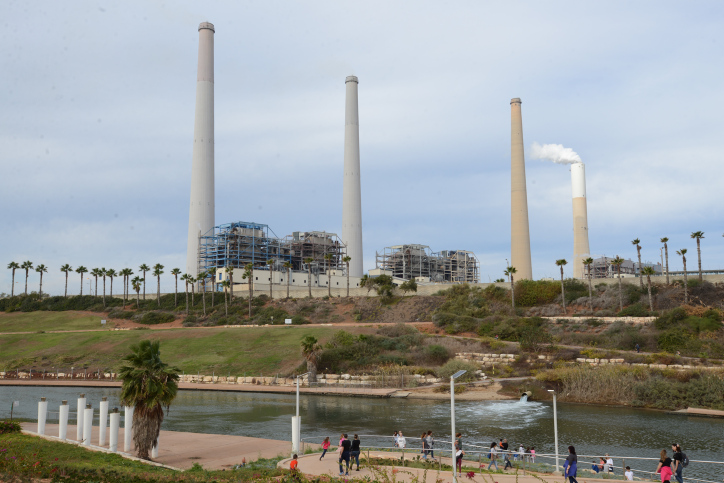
(175, 291)
(213, 291)
(310, 281)
(651, 301)
(193, 291)
(251, 289)
(66, 285)
(512, 292)
(590, 290)
(347, 279)
(620, 290)
(104, 291)
(226, 306)
(698, 252)
(158, 289)
(203, 296)
(271, 278)
(41, 286)
(329, 282)
(96, 285)
(187, 298)
(111, 293)
(563, 291)
(289, 270)
(666, 250)
(12, 287)
(686, 284)
(231, 286)
(144, 285)
(26, 281)
(641, 278)
(138, 300)
(81, 284)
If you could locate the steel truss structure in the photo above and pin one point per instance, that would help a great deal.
(411, 260)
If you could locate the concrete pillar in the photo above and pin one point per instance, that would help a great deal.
(519, 229)
(154, 449)
(296, 433)
(581, 249)
(115, 424)
(42, 415)
(128, 429)
(87, 424)
(63, 421)
(201, 206)
(79, 417)
(102, 421)
(351, 186)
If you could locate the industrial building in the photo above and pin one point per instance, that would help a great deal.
(603, 268)
(404, 262)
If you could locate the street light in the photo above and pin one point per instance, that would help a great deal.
(452, 417)
(297, 421)
(555, 423)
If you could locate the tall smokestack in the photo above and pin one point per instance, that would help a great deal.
(581, 249)
(351, 190)
(201, 209)
(519, 231)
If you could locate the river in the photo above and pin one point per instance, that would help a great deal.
(593, 430)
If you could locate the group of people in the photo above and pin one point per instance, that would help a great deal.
(347, 452)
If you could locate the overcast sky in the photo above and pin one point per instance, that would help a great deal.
(96, 125)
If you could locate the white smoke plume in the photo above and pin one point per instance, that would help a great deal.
(554, 152)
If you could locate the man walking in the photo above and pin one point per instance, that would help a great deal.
(678, 462)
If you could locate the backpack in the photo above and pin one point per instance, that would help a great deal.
(684, 460)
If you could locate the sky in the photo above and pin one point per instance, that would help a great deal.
(97, 113)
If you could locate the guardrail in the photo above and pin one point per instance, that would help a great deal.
(34, 374)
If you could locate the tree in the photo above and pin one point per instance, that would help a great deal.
(648, 271)
(310, 350)
(561, 263)
(682, 252)
(636, 242)
(270, 264)
(616, 262)
(185, 277)
(149, 385)
(65, 268)
(309, 261)
(144, 268)
(698, 235)
(157, 272)
(328, 265)
(81, 270)
(96, 272)
(126, 272)
(509, 272)
(225, 285)
(666, 253)
(175, 272)
(249, 274)
(202, 276)
(27, 266)
(41, 269)
(409, 286)
(288, 266)
(104, 273)
(212, 273)
(346, 259)
(111, 273)
(192, 282)
(136, 283)
(14, 266)
(366, 282)
(588, 262)
(230, 272)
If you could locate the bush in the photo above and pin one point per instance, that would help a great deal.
(529, 293)
(635, 310)
(455, 365)
(9, 427)
(152, 318)
(671, 340)
(437, 354)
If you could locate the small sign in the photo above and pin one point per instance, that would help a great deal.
(16, 404)
(103, 322)
(288, 321)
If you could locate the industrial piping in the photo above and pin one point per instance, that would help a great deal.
(581, 249)
(519, 230)
(201, 206)
(351, 188)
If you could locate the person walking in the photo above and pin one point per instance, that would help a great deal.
(325, 446)
(508, 464)
(532, 454)
(493, 455)
(430, 444)
(664, 467)
(345, 446)
(401, 441)
(354, 450)
(678, 460)
(459, 453)
(570, 466)
(423, 440)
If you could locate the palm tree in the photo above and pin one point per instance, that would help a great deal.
(144, 268)
(185, 277)
(14, 266)
(136, 283)
(270, 263)
(310, 350)
(587, 263)
(27, 266)
(309, 261)
(666, 252)
(192, 281)
(126, 272)
(346, 259)
(104, 273)
(175, 272)
(96, 272)
(212, 273)
(41, 269)
(202, 277)
(150, 385)
(682, 252)
(230, 272)
(111, 273)
(66, 268)
(636, 242)
(328, 263)
(616, 262)
(225, 285)
(157, 272)
(249, 274)
(509, 272)
(81, 270)
(648, 271)
(698, 235)
(561, 263)
(288, 266)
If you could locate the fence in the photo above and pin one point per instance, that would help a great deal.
(30, 374)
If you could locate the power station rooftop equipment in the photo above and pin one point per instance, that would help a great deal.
(419, 261)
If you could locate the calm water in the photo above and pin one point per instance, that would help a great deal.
(593, 430)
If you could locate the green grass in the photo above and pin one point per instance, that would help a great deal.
(47, 321)
(251, 351)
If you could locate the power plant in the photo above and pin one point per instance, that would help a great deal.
(581, 250)
(201, 206)
(519, 229)
(351, 188)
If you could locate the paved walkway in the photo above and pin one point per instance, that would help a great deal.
(182, 450)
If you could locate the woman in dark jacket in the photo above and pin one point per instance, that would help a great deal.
(354, 453)
(570, 465)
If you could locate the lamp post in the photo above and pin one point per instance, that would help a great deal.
(452, 417)
(297, 422)
(555, 423)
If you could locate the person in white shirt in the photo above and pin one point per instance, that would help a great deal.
(521, 451)
(609, 464)
(401, 441)
(628, 474)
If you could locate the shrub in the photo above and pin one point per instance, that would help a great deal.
(397, 330)
(445, 388)
(671, 340)
(455, 365)
(534, 339)
(529, 293)
(635, 310)
(152, 318)
(9, 427)
(437, 354)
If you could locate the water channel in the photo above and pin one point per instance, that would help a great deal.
(594, 430)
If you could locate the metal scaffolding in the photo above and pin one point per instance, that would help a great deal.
(303, 245)
(412, 260)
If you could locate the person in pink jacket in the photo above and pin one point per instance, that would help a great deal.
(325, 446)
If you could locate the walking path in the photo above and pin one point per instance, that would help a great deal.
(181, 450)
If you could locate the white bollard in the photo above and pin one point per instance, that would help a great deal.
(154, 450)
(79, 417)
(296, 427)
(42, 415)
(63, 417)
(115, 423)
(128, 429)
(87, 424)
(103, 421)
